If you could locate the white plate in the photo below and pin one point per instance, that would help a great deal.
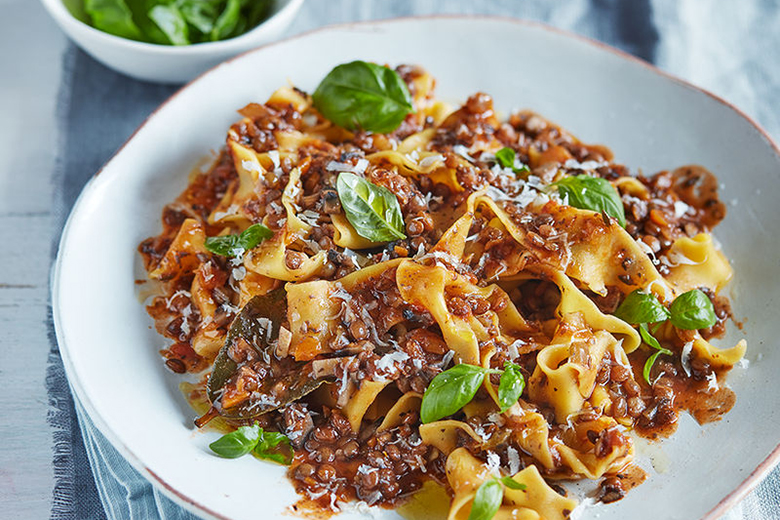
(651, 121)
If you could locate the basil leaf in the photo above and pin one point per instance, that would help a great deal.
(450, 391)
(652, 342)
(364, 95)
(200, 14)
(238, 443)
(641, 307)
(274, 446)
(592, 193)
(227, 21)
(511, 386)
(177, 22)
(372, 210)
(487, 500)
(692, 311)
(113, 17)
(225, 245)
(149, 29)
(76, 8)
(512, 483)
(506, 157)
(649, 366)
(171, 22)
(253, 235)
(235, 245)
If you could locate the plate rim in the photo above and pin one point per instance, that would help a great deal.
(727, 502)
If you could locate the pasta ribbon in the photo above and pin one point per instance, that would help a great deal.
(182, 255)
(313, 309)
(573, 300)
(537, 501)
(426, 286)
(697, 263)
(359, 403)
(566, 369)
(345, 235)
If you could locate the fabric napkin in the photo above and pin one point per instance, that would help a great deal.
(731, 48)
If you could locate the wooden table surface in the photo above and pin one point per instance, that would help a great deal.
(29, 82)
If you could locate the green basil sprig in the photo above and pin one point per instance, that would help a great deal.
(451, 390)
(653, 343)
(235, 245)
(511, 386)
(489, 496)
(361, 95)
(454, 388)
(692, 310)
(238, 443)
(506, 158)
(273, 446)
(487, 500)
(372, 210)
(641, 308)
(592, 193)
(512, 483)
(171, 22)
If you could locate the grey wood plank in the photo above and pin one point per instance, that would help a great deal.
(25, 438)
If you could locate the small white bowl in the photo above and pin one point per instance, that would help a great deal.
(168, 63)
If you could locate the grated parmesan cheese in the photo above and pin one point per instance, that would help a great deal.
(463, 152)
(646, 249)
(250, 166)
(309, 216)
(238, 256)
(174, 295)
(573, 164)
(685, 358)
(231, 210)
(274, 156)
(185, 328)
(712, 383)
(680, 209)
(388, 362)
(535, 182)
(513, 349)
(497, 194)
(238, 273)
(514, 460)
(430, 160)
(493, 461)
(358, 168)
(447, 358)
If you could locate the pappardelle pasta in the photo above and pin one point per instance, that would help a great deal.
(386, 292)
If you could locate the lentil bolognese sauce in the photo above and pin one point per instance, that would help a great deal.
(387, 292)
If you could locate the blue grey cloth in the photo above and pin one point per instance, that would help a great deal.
(98, 109)
(731, 48)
